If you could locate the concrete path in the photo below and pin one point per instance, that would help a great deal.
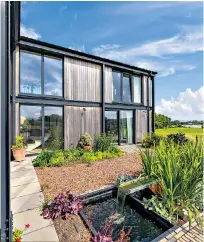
(26, 198)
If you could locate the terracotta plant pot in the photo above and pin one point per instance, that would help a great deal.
(87, 147)
(156, 189)
(19, 154)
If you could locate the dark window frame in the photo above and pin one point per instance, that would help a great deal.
(42, 55)
(43, 119)
(118, 111)
(130, 75)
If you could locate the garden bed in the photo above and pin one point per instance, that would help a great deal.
(81, 178)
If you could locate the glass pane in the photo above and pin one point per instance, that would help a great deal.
(30, 73)
(126, 127)
(116, 86)
(53, 128)
(137, 89)
(31, 127)
(126, 89)
(111, 124)
(150, 92)
(52, 76)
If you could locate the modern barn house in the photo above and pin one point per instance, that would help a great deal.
(62, 93)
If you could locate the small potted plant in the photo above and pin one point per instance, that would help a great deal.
(85, 142)
(19, 149)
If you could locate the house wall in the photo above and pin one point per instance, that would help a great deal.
(82, 80)
(140, 125)
(77, 121)
(108, 85)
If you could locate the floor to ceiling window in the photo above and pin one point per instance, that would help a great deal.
(53, 126)
(32, 121)
(127, 95)
(111, 124)
(120, 124)
(31, 127)
(126, 126)
(116, 86)
(137, 89)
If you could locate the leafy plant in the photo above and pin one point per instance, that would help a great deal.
(85, 140)
(151, 140)
(62, 206)
(17, 233)
(124, 178)
(55, 144)
(158, 205)
(179, 169)
(42, 159)
(19, 143)
(103, 142)
(178, 138)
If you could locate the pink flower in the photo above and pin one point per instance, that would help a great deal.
(27, 226)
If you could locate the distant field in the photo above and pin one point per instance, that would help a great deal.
(190, 132)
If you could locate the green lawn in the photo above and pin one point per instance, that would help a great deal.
(190, 132)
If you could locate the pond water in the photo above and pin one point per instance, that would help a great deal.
(143, 229)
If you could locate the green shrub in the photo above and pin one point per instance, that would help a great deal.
(42, 159)
(103, 142)
(57, 159)
(85, 140)
(178, 138)
(55, 144)
(180, 170)
(151, 140)
(19, 143)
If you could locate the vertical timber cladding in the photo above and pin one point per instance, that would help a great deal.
(77, 121)
(140, 125)
(82, 80)
(108, 85)
(145, 90)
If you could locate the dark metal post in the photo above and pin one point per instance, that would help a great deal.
(5, 222)
(103, 98)
(153, 105)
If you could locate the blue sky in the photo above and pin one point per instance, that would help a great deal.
(162, 36)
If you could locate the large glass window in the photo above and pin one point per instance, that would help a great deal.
(126, 127)
(52, 76)
(127, 89)
(53, 127)
(30, 73)
(116, 86)
(137, 89)
(111, 123)
(31, 127)
(40, 75)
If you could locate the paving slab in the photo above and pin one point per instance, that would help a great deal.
(22, 172)
(33, 218)
(44, 234)
(23, 180)
(19, 168)
(32, 201)
(30, 188)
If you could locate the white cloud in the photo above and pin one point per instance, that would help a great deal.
(190, 41)
(29, 32)
(188, 106)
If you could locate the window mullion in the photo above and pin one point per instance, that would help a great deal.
(43, 127)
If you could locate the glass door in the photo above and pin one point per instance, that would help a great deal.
(126, 127)
(111, 124)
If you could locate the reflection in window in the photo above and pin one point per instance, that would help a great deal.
(111, 124)
(30, 73)
(126, 127)
(53, 127)
(127, 89)
(31, 127)
(52, 76)
(137, 89)
(116, 86)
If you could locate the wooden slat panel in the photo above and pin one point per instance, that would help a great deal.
(108, 85)
(141, 125)
(145, 90)
(79, 120)
(82, 80)
(17, 119)
(150, 122)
